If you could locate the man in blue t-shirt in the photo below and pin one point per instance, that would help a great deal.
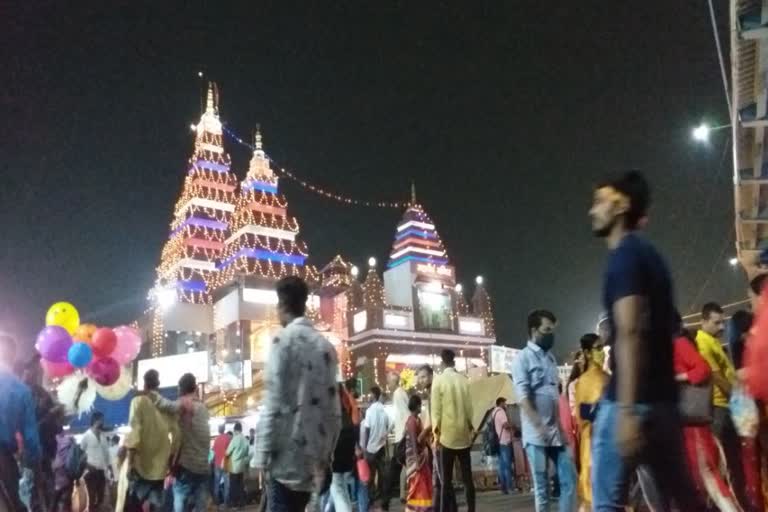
(637, 423)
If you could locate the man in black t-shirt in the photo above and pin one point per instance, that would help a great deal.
(637, 423)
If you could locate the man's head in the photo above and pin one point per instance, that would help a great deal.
(187, 384)
(351, 385)
(292, 293)
(238, 427)
(712, 319)
(393, 380)
(375, 394)
(541, 328)
(619, 204)
(115, 440)
(424, 377)
(755, 288)
(32, 373)
(414, 404)
(448, 357)
(501, 402)
(151, 380)
(222, 428)
(7, 351)
(97, 420)
(741, 323)
(592, 349)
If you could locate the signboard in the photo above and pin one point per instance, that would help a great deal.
(430, 269)
(171, 368)
(268, 297)
(360, 321)
(398, 319)
(471, 326)
(501, 359)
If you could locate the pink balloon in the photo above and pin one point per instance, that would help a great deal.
(56, 369)
(128, 344)
(104, 371)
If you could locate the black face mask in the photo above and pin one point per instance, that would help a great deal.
(546, 341)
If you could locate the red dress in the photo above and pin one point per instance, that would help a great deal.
(702, 451)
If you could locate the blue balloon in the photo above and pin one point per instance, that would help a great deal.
(80, 354)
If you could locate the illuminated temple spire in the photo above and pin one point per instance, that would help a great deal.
(416, 238)
(481, 306)
(264, 237)
(202, 214)
(211, 99)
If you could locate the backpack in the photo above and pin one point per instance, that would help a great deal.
(75, 461)
(491, 437)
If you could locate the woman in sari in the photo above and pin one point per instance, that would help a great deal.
(417, 464)
(705, 459)
(589, 389)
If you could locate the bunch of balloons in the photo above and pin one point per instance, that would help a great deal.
(66, 346)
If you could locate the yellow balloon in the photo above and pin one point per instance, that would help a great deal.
(64, 315)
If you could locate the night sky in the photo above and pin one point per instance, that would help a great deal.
(504, 114)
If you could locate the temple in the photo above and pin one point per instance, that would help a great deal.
(418, 309)
(213, 307)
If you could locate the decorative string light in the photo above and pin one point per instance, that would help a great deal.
(373, 290)
(157, 333)
(340, 198)
(481, 306)
(263, 240)
(462, 308)
(202, 215)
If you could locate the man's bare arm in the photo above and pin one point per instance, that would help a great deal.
(719, 380)
(629, 314)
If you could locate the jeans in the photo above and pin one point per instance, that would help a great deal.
(282, 499)
(190, 488)
(96, 483)
(446, 459)
(538, 458)
(236, 494)
(663, 461)
(363, 496)
(339, 492)
(220, 486)
(395, 471)
(506, 482)
(378, 467)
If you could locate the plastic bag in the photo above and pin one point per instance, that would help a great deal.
(363, 471)
(744, 413)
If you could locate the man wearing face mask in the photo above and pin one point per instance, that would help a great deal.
(535, 375)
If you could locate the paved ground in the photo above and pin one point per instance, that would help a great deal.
(488, 502)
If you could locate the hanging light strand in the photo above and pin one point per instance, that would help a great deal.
(340, 198)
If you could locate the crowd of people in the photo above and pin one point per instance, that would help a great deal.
(652, 412)
(662, 419)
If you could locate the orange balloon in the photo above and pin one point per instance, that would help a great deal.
(85, 333)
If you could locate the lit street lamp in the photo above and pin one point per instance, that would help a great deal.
(733, 261)
(165, 296)
(702, 132)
